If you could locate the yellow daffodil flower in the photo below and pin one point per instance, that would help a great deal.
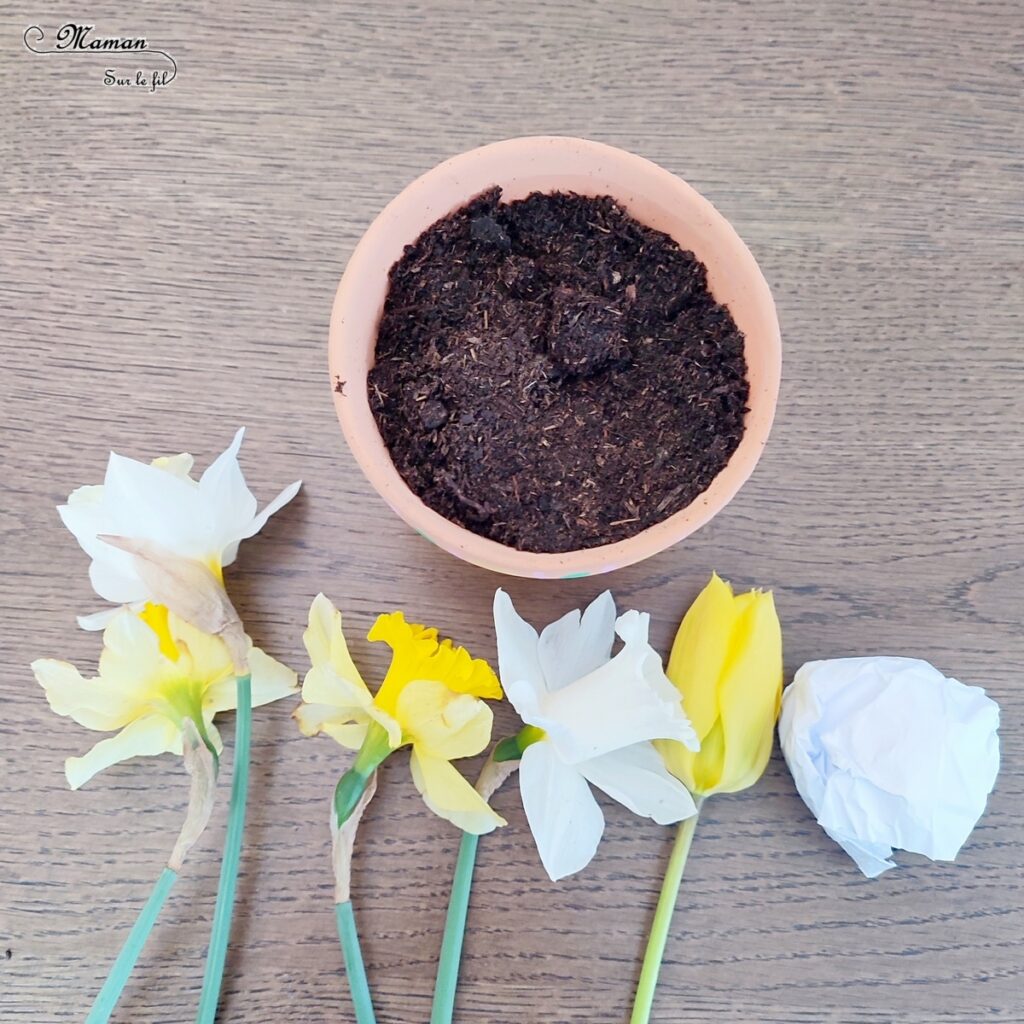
(156, 672)
(430, 700)
(727, 664)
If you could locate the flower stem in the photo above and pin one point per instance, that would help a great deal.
(221, 930)
(454, 932)
(662, 919)
(354, 967)
(108, 996)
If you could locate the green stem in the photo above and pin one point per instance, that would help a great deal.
(221, 930)
(454, 932)
(108, 996)
(662, 919)
(357, 983)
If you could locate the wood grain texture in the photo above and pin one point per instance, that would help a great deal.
(167, 266)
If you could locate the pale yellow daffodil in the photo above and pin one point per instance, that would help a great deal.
(156, 672)
(430, 700)
(727, 664)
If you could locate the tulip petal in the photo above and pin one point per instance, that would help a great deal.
(573, 646)
(750, 692)
(565, 819)
(450, 796)
(518, 655)
(700, 651)
(442, 723)
(637, 778)
(152, 734)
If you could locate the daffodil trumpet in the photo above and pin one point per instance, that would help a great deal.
(432, 700)
(726, 663)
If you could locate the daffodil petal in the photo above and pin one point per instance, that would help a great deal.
(146, 503)
(260, 520)
(347, 728)
(270, 680)
(450, 796)
(325, 642)
(177, 465)
(518, 652)
(231, 504)
(153, 734)
(92, 703)
(565, 819)
(574, 646)
(637, 778)
(441, 723)
(131, 651)
(96, 621)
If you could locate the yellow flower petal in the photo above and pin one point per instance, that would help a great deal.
(699, 653)
(444, 724)
(93, 703)
(450, 796)
(751, 692)
(325, 642)
(152, 734)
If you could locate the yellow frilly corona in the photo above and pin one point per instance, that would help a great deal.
(429, 700)
(155, 672)
(727, 664)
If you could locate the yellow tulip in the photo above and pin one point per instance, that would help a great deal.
(727, 664)
(430, 700)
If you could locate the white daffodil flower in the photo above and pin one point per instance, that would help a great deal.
(199, 521)
(594, 717)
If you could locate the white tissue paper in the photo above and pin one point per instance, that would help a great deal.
(890, 754)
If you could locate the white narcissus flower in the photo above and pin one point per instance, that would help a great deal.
(156, 673)
(890, 754)
(200, 520)
(597, 715)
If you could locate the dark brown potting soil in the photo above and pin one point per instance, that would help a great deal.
(554, 375)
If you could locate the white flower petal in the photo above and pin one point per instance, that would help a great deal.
(229, 503)
(146, 503)
(637, 778)
(97, 620)
(274, 506)
(518, 660)
(563, 815)
(573, 647)
(153, 734)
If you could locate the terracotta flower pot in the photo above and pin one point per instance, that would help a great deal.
(548, 164)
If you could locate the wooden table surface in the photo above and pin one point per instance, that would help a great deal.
(167, 267)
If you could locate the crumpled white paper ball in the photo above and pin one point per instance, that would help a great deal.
(890, 754)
